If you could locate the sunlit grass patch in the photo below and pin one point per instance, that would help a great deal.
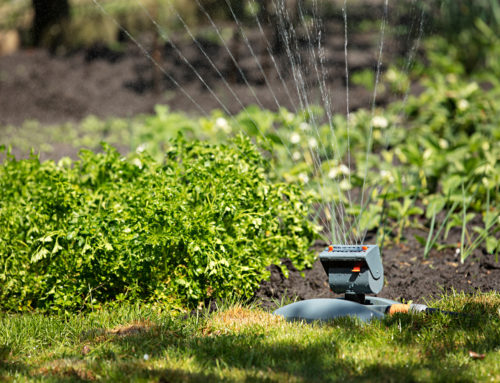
(238, 319)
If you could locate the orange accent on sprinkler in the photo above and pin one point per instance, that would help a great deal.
(357, 268)
(365, 248)
(330, 248)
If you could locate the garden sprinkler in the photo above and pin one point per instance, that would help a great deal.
(354, 271)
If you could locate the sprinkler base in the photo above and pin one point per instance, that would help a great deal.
(328, 309)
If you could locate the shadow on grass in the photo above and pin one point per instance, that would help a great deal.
(117, 355)
(441, 333)
(127, 371)
(319, 361)
(8, 366)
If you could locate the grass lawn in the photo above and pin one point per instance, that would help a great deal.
(241, 343)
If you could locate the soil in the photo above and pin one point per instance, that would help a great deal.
(35, 84)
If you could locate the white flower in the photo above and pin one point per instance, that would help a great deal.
(391, 75)
(295, 156)
(295, 138)
(304, 177)
(380, 122)
(137, 162)
(337, 170)
(344, 169)
(289, 117)
(333, 173)
(312, 143)
(141, 148)
(387, 176)
(304, 126)
(222, 124)
(443, 144)
(146, 357)
(463, 105)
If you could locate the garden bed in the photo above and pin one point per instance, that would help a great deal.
(120, 83)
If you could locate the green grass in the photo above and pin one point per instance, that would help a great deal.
(247, 344)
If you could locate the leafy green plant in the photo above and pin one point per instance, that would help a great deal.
(402, 212)
(487, 234)
(364, 78)
(203, 224)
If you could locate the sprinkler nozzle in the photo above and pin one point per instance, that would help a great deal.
(354, 270)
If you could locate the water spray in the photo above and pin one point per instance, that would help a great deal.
(353, 271)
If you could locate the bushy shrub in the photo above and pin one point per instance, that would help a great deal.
(203, 224)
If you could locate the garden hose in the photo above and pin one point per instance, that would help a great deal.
(416, 308)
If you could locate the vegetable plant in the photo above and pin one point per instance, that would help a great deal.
(202, 224)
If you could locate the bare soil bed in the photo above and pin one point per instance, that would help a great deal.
(60, 88)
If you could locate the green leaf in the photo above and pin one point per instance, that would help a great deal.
(420, 239)
(492, 244)
(57, 247)
(435, 206)
(42, 253)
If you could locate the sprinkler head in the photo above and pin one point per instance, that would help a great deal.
(353, 270)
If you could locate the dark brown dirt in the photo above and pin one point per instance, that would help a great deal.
(60, 88)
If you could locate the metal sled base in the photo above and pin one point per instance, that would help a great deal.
(327, 309)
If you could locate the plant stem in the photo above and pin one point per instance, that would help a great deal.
(427, 247)
(464, 223)
(382, 219)
(479, 238)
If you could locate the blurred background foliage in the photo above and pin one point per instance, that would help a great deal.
(474, 24)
